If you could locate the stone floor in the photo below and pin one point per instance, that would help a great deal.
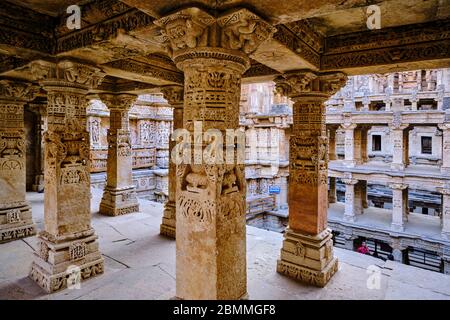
(140, 264)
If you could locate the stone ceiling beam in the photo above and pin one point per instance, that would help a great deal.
(143, 72)
(415, 46)
(275, 12)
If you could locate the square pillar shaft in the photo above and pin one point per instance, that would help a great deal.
(15, 212)
(68, 247)
(174, 95)
(399, 206)
(119, 195)
(307, 252)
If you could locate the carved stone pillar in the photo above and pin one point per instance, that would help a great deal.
(119, 195)
(40, 109)
(445, 213)
(351, 200)
(15, 212)
(399, 206)
(399, 141)
(445, 167)
(364, 198)
(284, 192)
(210, 201)
(307, 253)
(68, 246)
(349, 144)
(364, 136)
(332, 191)
(174, 96)
(332, 142)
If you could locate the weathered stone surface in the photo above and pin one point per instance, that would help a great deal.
(15, 213)
(120, 195)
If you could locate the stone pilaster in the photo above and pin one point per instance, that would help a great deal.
(445, 212)
(40, 109)
(399, 141)
(364, 198)
(364, 136)
(210, 196)
(174, 96)
(332, 191)
(399, 206)
(15, 212)
(351, 199)
(68, 246)
(445, 167)
(307, 253)
(332, 143)
(119, 195)
(349, 144)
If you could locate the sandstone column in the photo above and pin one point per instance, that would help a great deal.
(332, 191)
(445, 167)
(399, 205)
(364, 197)
(399, 142)
(307, 253)
(364, 136)
(119, 195)
(351, 200)
(40, 109)
(210, 202)
(445, 212)
(174, 96)
(349, 144)
(68, 244)
(15, 212)
(332, 143)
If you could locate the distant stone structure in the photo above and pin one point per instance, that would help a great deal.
(389, 148)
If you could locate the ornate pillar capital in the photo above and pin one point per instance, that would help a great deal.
(349, 126)
(193, 33)
(398, 186)
(65, 74)
(118, 101)
(349, 181)
(174, 95)
(306, 84)
(397, 122)
(444, 126)
(17, 91)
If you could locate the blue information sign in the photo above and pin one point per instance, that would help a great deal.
(274, 189)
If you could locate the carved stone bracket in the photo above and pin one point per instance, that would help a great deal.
(174, 95)
(192, 33)
(66, 72)
(13, 90)
(301, 83)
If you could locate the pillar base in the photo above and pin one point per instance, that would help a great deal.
(350, 163)
(397, 166)
(116, 202)
(168, 224)
(348, 218)
(16, 223)
(167, 231)
(397, 227)
(38, 185)
(308, 258)
(59, 260)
